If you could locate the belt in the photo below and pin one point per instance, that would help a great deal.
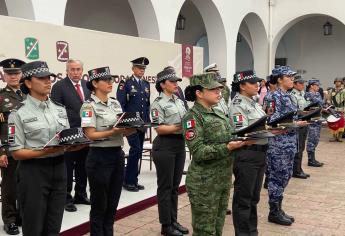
(255, 147)
(176, 136)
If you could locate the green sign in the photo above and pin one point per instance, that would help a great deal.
(31, 48)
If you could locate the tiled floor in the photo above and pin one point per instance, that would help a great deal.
(318, 204)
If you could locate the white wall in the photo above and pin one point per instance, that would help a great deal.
(306, 48)
(110, 16)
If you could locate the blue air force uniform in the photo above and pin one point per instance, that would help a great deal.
(134, 96)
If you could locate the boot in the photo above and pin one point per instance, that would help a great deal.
(276, 216)
(286, 215)
(169, 230)
(311, 160)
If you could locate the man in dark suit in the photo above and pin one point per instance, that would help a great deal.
(134, 96)
(72, 92)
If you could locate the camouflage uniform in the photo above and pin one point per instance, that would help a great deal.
(281, 149)
(208, 180)
(314, 129)
(226, 94)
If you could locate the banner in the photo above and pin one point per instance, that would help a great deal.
(187, 60)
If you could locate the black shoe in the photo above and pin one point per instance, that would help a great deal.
(170, 231)
(131, 187)
(19, 221)
(180, 228)
(276, 215)
(70, 207)
(82, 200)
(228, 211)
(11, 229)
(308, 175)
(299, 175)
(140, 187)
(286, 215)
(314, 164)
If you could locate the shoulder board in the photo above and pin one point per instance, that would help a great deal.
(114, 98)
(157, 99)
(56, 103)
(145, 81)
(89, 100)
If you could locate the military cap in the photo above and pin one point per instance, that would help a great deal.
(255, 130)
(338, 79)
(140, 62)
(246, 76)
(283, 70)
(37, 69)
(207, 81)
(298, 79)
(312, 106)
(168, 73)
(284, 120)
(314, 81)
(98, 73)
(12, 65)
(311, 115)
(211, 68)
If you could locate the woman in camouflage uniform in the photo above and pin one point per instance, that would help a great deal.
(207, 133)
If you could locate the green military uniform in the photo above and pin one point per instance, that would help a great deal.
(105, 161)
(298, 98)
(208, 181)
(250, 161)
(226, 93)
(337, 98)
(8, 100)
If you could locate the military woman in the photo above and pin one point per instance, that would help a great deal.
(41, 173)
(168, 150)
(105, 161)
(250, 161)
(208, 132)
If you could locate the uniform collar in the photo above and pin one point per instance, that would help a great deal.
(250, 100)
(74, 83)
(298, 92)
(38, 103)
(201, 108)
(167, 98)
(97, 100)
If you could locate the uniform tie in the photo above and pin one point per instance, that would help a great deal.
(19, 93)
(80, 94)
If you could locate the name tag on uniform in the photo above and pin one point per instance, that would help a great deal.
(30, 120)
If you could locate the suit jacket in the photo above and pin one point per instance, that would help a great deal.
(65, 93)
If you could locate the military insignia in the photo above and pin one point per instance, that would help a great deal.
(8, 105)
(31, 48)
(237, 101)
(190, 134)
(86, 116)
(147, 90)
(238, 120)
(121, 86)
(133, 90)
(155, 115)
(11, 133)
(62, 51)
(189, 124)
(6, 100)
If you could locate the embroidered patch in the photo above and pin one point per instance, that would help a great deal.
(155, 115)
(189, 124)
(190, 134)
(238, 120)
(11, 133)
(86, 116)
(237, 101)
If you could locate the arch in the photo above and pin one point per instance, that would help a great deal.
(215, 32)
(132, 17)
(258, 42)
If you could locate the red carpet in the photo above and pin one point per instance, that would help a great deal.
(82, 229)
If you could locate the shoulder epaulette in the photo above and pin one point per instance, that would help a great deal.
(89, 100)
(157, 99)
(57, 103)
(16, 108)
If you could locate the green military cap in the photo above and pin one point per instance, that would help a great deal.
(208, 81)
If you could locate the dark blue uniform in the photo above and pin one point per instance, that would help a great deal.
(134, 97)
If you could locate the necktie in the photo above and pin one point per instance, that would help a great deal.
(19, 93)
(77, 86)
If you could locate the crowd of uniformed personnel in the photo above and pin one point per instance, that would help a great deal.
(36, 185)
